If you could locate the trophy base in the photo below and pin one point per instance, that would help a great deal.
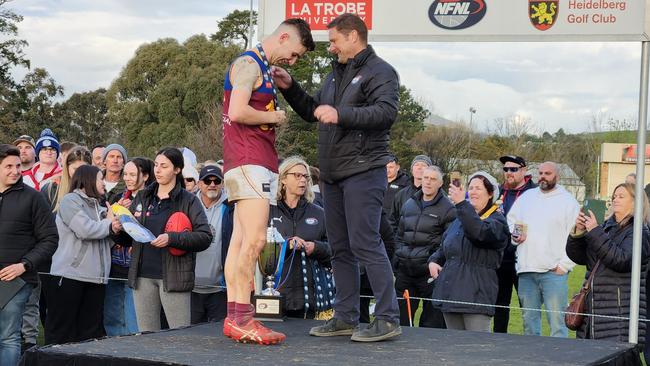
(269, 308)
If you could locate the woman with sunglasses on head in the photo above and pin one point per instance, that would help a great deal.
(162, 271)
(119, 309)
(464, 266)
(302, 223)
(81, 263)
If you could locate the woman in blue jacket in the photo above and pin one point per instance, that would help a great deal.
(464, 267)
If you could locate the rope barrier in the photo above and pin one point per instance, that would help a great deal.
(417, 299)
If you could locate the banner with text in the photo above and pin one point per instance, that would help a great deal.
(471, 20)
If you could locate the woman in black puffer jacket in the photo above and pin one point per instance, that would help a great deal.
(611, 244)
(303, 223)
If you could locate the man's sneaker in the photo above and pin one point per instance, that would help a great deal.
(333, 327)
(377, 330)
(255, 332)
(227, 327)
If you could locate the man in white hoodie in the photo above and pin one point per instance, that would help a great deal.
(547, 215)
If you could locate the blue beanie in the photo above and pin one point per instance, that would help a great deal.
(48, 139)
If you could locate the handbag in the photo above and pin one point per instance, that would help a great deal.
(573, 318)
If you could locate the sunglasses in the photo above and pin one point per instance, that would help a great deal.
(189, 180)
(513, 169)
(208, 181)
(299, 175)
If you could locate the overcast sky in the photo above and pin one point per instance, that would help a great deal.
(84, 44)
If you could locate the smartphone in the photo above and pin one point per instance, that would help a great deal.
(455, 178)
(585, 207)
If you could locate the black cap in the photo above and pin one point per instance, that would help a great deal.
(210, 171)
(513, 159)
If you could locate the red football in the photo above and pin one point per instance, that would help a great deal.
(178, 222)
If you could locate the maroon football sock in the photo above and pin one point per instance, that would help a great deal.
(231, 310)
(243, 313)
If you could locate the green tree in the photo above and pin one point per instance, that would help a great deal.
(11, 48)
(234, 28)
(84, 117)
(165, 91)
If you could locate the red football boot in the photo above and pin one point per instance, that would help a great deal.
(227, 327)
(255, 332)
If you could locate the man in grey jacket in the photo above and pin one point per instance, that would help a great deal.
(209, 303)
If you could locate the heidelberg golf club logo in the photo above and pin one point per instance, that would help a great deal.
(457, 14)
(543, 14)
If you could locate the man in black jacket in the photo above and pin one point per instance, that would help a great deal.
(356, 107)
(418, 165)
(28, 237)
(516, 182)
(397, 179)
(424, 218)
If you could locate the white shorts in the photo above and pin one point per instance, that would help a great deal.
(251, 182)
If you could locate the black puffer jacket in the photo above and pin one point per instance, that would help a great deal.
(365, 94)
(402, 180)
(420, 232)
(177, 271)
(610, 294)
(307, 221)
(470, 254)
(400, 199)
(27, 230)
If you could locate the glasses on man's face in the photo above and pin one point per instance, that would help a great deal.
(298, 176)
(48, 149)
(512, 169)
(208, 181)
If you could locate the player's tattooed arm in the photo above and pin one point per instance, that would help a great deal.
(246, 76)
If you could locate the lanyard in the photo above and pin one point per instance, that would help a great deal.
(489, 212)
(267, 75)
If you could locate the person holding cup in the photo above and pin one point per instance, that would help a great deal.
(464, 266)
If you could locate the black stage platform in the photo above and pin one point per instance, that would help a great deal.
(204, 345)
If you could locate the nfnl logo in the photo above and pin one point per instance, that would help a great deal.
(457, 14)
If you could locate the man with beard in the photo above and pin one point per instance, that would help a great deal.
(540, 221)
(26, 145)
(516, 182)
(209, 303)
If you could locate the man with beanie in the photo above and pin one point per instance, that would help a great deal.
(418, 165)
(355, 109)
(541, 220)
(114, 158)
(516, 182)
(397, 180)
(28, 237)
(26, 145)
(47, 150)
